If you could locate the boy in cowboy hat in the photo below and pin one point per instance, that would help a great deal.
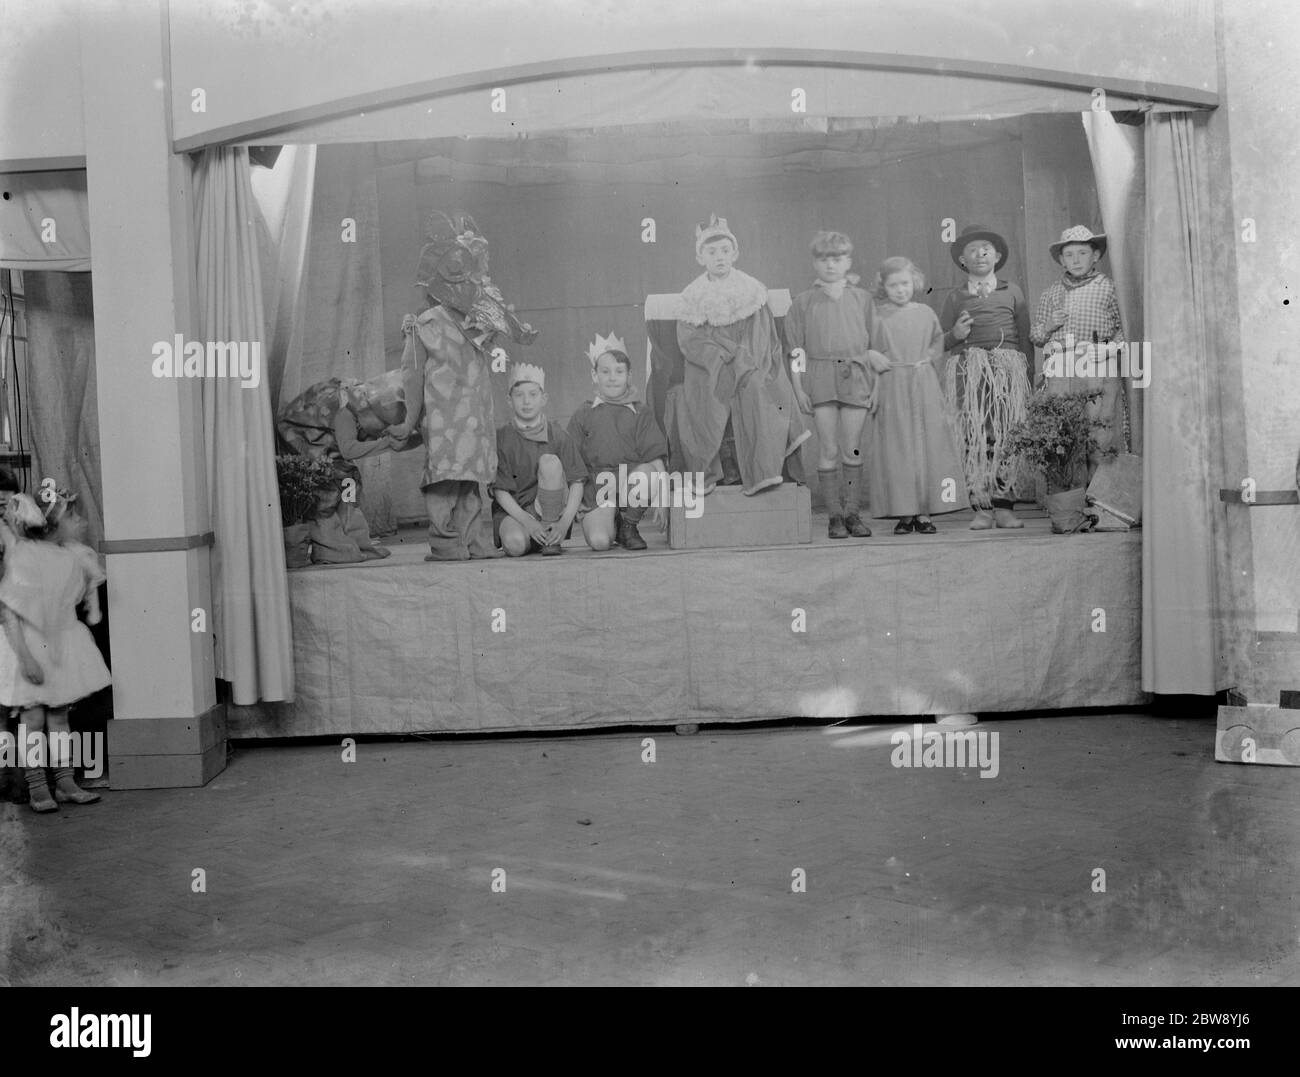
(986, 322)
(1080, 311)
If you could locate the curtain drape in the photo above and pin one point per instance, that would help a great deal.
(1117, 163)
(60, 420)
(1180, 644)
(249, 586)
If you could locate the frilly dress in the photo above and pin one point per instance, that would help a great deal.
(43, 584)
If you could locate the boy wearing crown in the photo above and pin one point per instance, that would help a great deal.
(734, 369)
(614, 429)
(540, 473)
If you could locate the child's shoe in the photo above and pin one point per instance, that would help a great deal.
(1007, 518)
(67, 791)
(983, 521)
(628, 535)
(905, 526)
(856, 527)
(924, 527)
(39, 791)
(552, 550)
(837, 530)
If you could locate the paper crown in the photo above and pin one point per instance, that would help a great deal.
(601, 345)
(715, 229)
(527, 372)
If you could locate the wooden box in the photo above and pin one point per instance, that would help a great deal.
(1259, 733)
(778, 516)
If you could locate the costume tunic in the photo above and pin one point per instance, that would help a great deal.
(833, 332)
(43, 585)
(611, 434)
(518, 456)
(913, 451)
(735, 368)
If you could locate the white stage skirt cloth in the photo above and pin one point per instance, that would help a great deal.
(959, 621)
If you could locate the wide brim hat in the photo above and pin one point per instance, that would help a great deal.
(978, 231)
(1078, 234)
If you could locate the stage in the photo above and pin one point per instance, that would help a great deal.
(891, 625)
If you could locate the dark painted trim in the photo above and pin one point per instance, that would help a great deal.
(157, 545)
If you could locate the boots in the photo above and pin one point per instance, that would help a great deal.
(67, 791)
(628, 535)
(39, 791)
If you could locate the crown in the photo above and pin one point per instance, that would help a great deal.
(527, 372)
(715, 229)
(601, 345)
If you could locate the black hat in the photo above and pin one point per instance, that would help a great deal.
(970, 235)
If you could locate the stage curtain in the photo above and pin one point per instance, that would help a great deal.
(249, 585)
(60, 420)
(45, 221)
(1117, 163)
(1180, 646)
(284, 201)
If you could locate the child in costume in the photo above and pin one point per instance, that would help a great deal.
(734, 369)
(1081, 310)
(540, 473)
(615, 428)
(830, 323)
(48, 659)
(986, 322)
(914, 458)
(449, 394)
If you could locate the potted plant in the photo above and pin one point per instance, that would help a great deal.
(1055, 437)
(302, 480)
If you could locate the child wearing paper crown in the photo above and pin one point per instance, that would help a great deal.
(1079, 312)
(830, 324)
(48, 659)
(734, 369)
(540, 473)
(986, 322)
(615, 428)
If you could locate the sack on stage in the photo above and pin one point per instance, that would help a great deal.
(1115, 492)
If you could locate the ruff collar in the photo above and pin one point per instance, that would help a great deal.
(722, 302)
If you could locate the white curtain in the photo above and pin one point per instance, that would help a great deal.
(1181, 652)
(249, 586)
(1118, 164)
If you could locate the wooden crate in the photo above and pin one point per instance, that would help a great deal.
(1259, 733)
(778, 516)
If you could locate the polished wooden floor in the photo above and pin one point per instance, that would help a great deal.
(680, 871)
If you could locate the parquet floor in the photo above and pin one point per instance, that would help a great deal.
(679, 871)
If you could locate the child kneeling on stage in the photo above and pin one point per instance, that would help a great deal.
(540, 474)
(616, 428)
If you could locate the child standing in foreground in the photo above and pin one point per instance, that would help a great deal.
(830, 323)
(916, 470)
(615, 428)
(536, 463)
(48, 659)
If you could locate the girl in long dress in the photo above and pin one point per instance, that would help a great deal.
(916, 470)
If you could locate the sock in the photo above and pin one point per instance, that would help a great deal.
(852, 489)
(37, 788)
(551, 503)
(830, 487)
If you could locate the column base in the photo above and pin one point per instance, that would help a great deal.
(167, 753)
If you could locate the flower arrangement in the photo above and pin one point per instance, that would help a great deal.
(302, 479)
(1056, 437)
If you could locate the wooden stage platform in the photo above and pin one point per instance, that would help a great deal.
(986, 621)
